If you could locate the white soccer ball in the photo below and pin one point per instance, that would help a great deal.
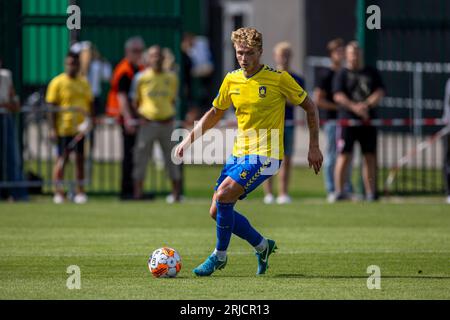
(164, 263)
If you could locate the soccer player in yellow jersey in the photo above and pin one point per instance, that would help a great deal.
(69, 90)
(259, 94)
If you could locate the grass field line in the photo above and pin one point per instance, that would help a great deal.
(320, 201)
(232, 253)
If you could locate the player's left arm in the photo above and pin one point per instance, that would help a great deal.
(315, 157)
(298, 96)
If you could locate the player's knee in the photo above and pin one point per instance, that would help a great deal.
(222, 195)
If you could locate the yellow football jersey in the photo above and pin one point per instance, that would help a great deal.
(65, 92)
(260, 103)
(155, 94)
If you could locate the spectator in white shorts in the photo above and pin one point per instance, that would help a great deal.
(154, 92)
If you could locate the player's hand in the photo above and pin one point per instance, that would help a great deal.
(179, 150)
(315, 158)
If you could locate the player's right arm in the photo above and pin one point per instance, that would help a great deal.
(298, 96)
(220, 104)
(208, 121)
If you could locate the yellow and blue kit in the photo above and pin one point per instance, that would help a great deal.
(260, 103)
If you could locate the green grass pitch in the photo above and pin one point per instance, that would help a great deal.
(324, 250)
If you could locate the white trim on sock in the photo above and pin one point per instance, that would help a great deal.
(221, 255)
(262, 246)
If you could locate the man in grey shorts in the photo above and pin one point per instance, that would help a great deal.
(153, 93)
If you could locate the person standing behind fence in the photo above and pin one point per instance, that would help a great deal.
(119, 106)
(96, 69)
(10, 159)
(357, 89)
(323, 96)
(446, 141)
(154, 92)
(282, 54)
(187, 94)
(69, 90)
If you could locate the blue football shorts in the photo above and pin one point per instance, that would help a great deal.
(249, 171)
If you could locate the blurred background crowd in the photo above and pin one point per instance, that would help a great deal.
(180, 51)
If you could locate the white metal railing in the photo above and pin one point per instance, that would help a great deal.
(417, 103)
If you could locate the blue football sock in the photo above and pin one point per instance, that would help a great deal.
(224, 225)
(243, 229)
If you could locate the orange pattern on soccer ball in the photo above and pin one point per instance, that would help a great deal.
(168, 251)
(160, 270)
(165, 263)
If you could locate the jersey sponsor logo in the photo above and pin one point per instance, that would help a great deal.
(262, 91)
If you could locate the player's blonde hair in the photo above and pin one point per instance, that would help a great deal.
(249, 37)
(282, 46)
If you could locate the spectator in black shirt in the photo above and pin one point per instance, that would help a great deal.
(357, 90)
(323, 96)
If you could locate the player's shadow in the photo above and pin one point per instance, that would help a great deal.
(305, 276)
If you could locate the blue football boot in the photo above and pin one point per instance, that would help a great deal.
(263, 257)
(211, 264)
